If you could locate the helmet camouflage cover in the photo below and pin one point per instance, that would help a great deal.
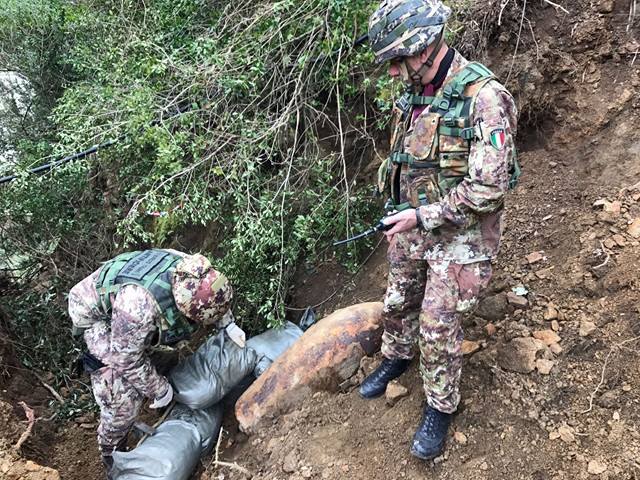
(201, 293)
(402, 28)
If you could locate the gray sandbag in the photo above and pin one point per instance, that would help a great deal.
(202, 379)
(172, 453)
(273, 343)
(207, 421)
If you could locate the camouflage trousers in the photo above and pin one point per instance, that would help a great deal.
(425, 300)
(119, 404)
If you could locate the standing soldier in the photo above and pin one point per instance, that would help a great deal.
(452, 160)
(135, 301)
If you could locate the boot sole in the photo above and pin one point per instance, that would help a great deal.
(426, 457)
(370, 397)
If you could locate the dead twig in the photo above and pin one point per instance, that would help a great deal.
(632, 15)
(604, 369)
(217, 462)
(607, 253)
(502, 7)
(557, 6)
(515, 51)
(31, 418)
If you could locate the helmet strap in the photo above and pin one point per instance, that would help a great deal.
(416, 75)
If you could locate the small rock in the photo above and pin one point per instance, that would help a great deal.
(484, 466)
(548, 337)
(551, 313)
(519, 355)
(596, 467)
(544, 273)
(606, 6)
(469, 347)
(368, 365)
(608, 399)
(290, 463)
(634, 228)
(460, 437)
(626, 388)
(516, 300)
(613, 207)
(586, 328)
(610, 243)
(306, 472)
(544, 366)
(395, 391)
(535, 257)
(493, 308)
(554, 435)
(566, 434)
(619, 239)
(616, 416)
(555, 349)
(490, 328)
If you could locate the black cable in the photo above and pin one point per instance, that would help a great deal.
(77, 156)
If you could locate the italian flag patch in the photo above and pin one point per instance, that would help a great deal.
(497, 138)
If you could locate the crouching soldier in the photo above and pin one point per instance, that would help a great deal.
(132, 303)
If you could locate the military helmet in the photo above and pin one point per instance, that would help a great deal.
(201, 293)
(402, 28)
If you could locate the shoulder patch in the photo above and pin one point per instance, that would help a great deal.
(497, 137)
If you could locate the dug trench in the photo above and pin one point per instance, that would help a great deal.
(551, 379)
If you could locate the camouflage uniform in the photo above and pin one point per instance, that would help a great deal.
(438, 269)
(123, 341)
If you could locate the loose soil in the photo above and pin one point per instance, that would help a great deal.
(577, 82)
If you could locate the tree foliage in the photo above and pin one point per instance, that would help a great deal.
(249, 121)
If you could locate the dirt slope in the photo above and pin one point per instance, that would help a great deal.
(579, 143)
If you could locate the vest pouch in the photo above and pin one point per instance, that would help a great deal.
(424, 186)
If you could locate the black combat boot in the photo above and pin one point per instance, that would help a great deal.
(428, 442)
(376, 383)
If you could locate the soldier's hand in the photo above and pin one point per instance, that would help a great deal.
(164, 400)
(401, 221)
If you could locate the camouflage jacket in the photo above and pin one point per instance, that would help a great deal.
(122, 342)
(465, 224)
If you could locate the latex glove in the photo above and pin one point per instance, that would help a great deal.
(164, 400)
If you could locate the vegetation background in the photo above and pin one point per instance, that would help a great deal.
(241, 128)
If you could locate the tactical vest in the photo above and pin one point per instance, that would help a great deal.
(435, 167)
(151, 269)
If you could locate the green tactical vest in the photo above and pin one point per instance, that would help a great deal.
(151, 269)
(453, 106)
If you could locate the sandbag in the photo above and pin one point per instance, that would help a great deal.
(202, 379)
(173, 452)
(207, 421)
(273, 343)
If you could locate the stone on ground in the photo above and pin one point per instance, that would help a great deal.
(519, 355)
(395, 391)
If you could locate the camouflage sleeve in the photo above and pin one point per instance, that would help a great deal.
(133, 322)
(482, 190)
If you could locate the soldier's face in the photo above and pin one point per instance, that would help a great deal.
(400, 68)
